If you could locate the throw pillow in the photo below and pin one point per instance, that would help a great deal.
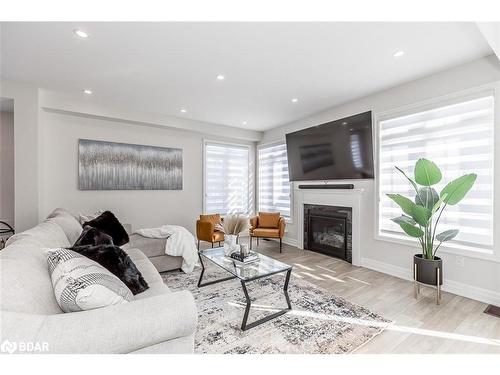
(109, 224)
(115, 260)
(92, 236)
(81, 284)
(84, 218)
(269, 219)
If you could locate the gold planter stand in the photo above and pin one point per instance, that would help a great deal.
(416, 284)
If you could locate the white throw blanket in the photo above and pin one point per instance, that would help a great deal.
(180, 242)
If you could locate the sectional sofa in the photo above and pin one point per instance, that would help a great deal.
(156, 321)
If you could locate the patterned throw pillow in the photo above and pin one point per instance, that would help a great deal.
(81, 284)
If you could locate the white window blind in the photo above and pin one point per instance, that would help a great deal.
(274, 184)
(226, 178)
(459, 139)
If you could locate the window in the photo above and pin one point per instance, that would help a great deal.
(274, 185)
(226, 184)
(458, 137)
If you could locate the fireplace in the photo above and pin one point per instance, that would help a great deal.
(328, 230)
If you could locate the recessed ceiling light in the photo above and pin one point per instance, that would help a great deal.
(399, 54)
(80, 33)
(344, 123)
(295, 100)
(220, 77)
(183, 110)
(244, 123)
(87, 91)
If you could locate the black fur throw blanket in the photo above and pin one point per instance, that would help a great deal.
(98, 242)
(115, 260)
(93, 236)
(108, 223)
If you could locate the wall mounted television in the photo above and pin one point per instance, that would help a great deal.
(337, 150)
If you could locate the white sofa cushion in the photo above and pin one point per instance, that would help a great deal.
(82, 284)
(46, 234)
(68, 223)
(24, 279)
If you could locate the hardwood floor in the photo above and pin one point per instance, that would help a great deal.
(457, 325)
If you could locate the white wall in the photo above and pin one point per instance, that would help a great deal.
(478, 278)
(7, 167)
(26, 152)
(145, 208)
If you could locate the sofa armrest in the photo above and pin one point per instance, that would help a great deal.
(115, 329)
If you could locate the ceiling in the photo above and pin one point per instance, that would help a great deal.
(163, 67)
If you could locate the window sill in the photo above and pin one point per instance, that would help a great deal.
(475, 253)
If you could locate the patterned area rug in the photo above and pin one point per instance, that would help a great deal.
(318, 323)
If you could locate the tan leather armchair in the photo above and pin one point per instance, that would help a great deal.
(267, 225)
(206, 231)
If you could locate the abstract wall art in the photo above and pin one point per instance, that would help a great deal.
(121, 166)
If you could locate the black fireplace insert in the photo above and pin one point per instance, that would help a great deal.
(328, 230)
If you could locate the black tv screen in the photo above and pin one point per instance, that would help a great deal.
(337, 150)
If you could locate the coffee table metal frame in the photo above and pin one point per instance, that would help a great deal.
(244, 324)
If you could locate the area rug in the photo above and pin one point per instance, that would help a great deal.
(319, 323)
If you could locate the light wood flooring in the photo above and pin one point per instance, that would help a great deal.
(457, 325)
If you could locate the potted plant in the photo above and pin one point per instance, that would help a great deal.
(232, 226)
(421, 216)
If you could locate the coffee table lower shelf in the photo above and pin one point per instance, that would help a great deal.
(244, 324)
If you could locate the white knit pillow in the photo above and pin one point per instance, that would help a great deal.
(81, 284)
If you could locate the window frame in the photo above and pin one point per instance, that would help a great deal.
(491, 89)
(204, 159)
(288, 220)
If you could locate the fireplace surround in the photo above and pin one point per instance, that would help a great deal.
(328, 230)
(331, 197)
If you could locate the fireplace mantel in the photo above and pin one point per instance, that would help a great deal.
(345, 198)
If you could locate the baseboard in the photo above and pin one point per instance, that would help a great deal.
(387, 268)
(450, 286)
(286, 240)
(291, 241)
(479, 294)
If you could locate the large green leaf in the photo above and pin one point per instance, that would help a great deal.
(455, 191)
(421, 215)
(412, 230)
(408, 178)
(427, 173)
(447, 235)
(404, 219)
(403, 202)
(427, 197)
(438, 203)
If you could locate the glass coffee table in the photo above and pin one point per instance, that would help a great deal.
(264, 267)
